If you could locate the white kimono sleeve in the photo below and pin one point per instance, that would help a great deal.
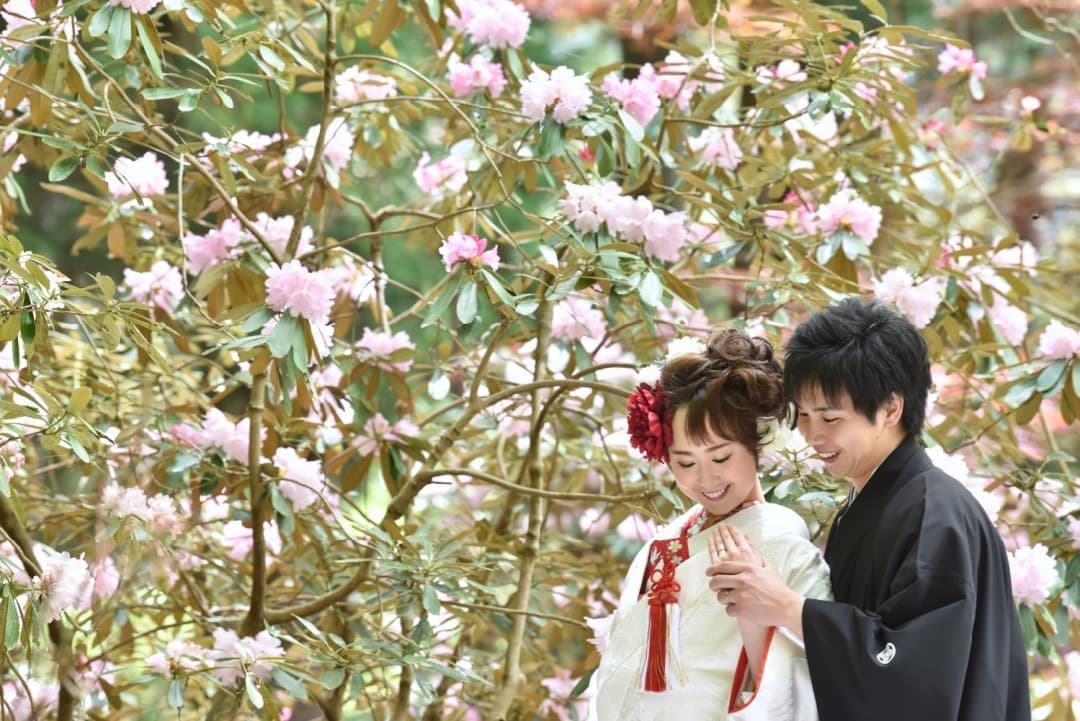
(782, 689)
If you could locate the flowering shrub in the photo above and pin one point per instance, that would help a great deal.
(350, 435)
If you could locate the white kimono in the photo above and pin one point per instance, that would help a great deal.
(707, 642)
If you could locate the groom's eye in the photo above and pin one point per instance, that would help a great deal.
(685, 465)
(721, 460)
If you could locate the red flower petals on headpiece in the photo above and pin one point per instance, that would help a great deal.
(649, 422)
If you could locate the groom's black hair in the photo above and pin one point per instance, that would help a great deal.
(865, 350)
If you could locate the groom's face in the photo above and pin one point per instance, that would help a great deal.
(849, 444)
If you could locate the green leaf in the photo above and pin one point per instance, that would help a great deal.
(176, 693)
(147, 43)
(333, 678)
(119, 32)
(288, 683)
(442, 302)
(253, 693)
(257, 320)
(431, 600)
(99, 23)
(551, 139)
(876, 9)
(271, 58)
(27, 327)
(633, 127)
(467, 304)
(1052, 377)
(163, 93)
(287, 332)
(189, 100)
(283, 506)
(703, 10)
(63, 167)
(651, 290)
(80, 398)
(1020, 393)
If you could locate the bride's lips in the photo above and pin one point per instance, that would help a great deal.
(716, 495)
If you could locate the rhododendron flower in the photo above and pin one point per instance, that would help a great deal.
(144, 175)
(162, 286)
(17, 13)
(448, 173)
(674, 77)
(219, 244)
(238, 541)
(717, 147)
(232, 438)
(294, 289)
(1010, 321)
(961, 60)
(1029, 104)
(353, 85)
(786, 71)
(379, 431)
(245, 142)
(233, 657)
(1059, 341)
(665, 235)
(139, 7)
(478, 74)
(558, 702)
(1074, 531)
(802, 219)
(9, 142)
(29, 700)
(178, 658)
(847, 211)
(338, 143)
(277, 231)
(639, 97)
(575, 318)
(62, 583)
(301, 481)
(468, 249)
(496, 23)
(1072, 668)
(562, 88)
(1034, 573)
(381, 347)
(919, 302)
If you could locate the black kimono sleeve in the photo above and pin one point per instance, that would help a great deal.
(907, 663)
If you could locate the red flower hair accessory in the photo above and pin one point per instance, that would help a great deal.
(649, 422)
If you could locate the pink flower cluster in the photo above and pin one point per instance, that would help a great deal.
(446, 175)
(9, 142)
(301, 481)
(632, 219)
(217, 246)
(338, 142)
(353, 85)
(139, 7)
(238, 540)
(380, 349)
(918, 301)
(847, 211)
(16, 14)
(674, 79)
(567, 93)
(62, 585)
(786, 72)
(1034, 573)
(350, 278)
(718, 148)
(293, 289)
(575, 318)
(144, 175)
(379, 431)
(234, 657)
(277, 232)
(802, 218)
(496, 23)
(961, 60)
(178, 658)
(158, 511)
(162, 286)
(639, 97)
(29, 700)
(1059, 341)
(1008, 320)
(558, 702)
(478, 74)
(248, 143)
(218, 432)
(469, 249)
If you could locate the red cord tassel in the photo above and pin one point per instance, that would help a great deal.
(665, 591)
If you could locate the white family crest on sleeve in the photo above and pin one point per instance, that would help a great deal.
(886, 655)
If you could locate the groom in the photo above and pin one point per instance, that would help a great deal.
(923, 626)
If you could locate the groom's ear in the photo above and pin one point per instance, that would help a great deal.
(892, 409)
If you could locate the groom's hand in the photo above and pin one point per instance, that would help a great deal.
(750, 586)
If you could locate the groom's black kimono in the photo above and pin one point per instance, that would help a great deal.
(923, 627)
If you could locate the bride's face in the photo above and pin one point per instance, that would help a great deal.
(717, 472)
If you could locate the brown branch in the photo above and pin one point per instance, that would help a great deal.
(254, 621)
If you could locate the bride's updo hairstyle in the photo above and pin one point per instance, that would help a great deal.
(727, 389)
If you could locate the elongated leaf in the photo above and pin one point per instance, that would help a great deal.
(119, 32)
(467, 304)
(703, 10)
(63, 167)
(145, 27)
(99, 23)
(285, 333)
